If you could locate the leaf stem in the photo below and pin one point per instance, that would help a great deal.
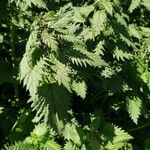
(139, 127)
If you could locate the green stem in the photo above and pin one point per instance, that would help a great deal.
(13, 50)
(139, 128)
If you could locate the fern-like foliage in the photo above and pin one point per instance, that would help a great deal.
(50, 100)
(48, 63)
(71, 133)
(51, 145)
(86, 52)
(134, 5)
(146, 4)
(40, 138)
(80, 88)
(120, 140)
(21, 146)
(134, 106)
(38, 3)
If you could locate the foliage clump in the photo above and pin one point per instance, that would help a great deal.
(84, 66)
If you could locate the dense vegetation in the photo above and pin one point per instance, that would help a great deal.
(75, 74)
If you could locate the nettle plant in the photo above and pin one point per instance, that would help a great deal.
(86, 67)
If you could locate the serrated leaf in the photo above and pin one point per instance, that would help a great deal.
(40, 130)
(134, 5)
(146, 3)
(120, 140)
(99, 48)
(107, 6)
(51, 145)
(80, 88)
(134, 105)
(81, 13)
(69, 146)
(71, 133)
(92, 58)
(121, 55)
(51, 100)
(94, 144)
(49, 40)
(134, 31)
(88, 34)
(78, 58)
(108, 131)
(38, 3)
(21, 146)
(98, 22)
(62, 74)
(30, 76)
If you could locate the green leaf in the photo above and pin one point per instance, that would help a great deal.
(80, 88)
(108, 131)
(51, 145)
(40, 130)
(31, 76)
(50, 100)
(99, 48)
(70, 146)
(133, 30)
(98, 22)
(146, 4)
(121, 55)
(78, 58)
(91, 58)
(21, 146)
(134, 105)
(120, 140)
(108, 6)
(134, 5)
(62, 74)
(81, 13)
(49, 40)
(94, 144)
(38, 3)
(71, 133)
